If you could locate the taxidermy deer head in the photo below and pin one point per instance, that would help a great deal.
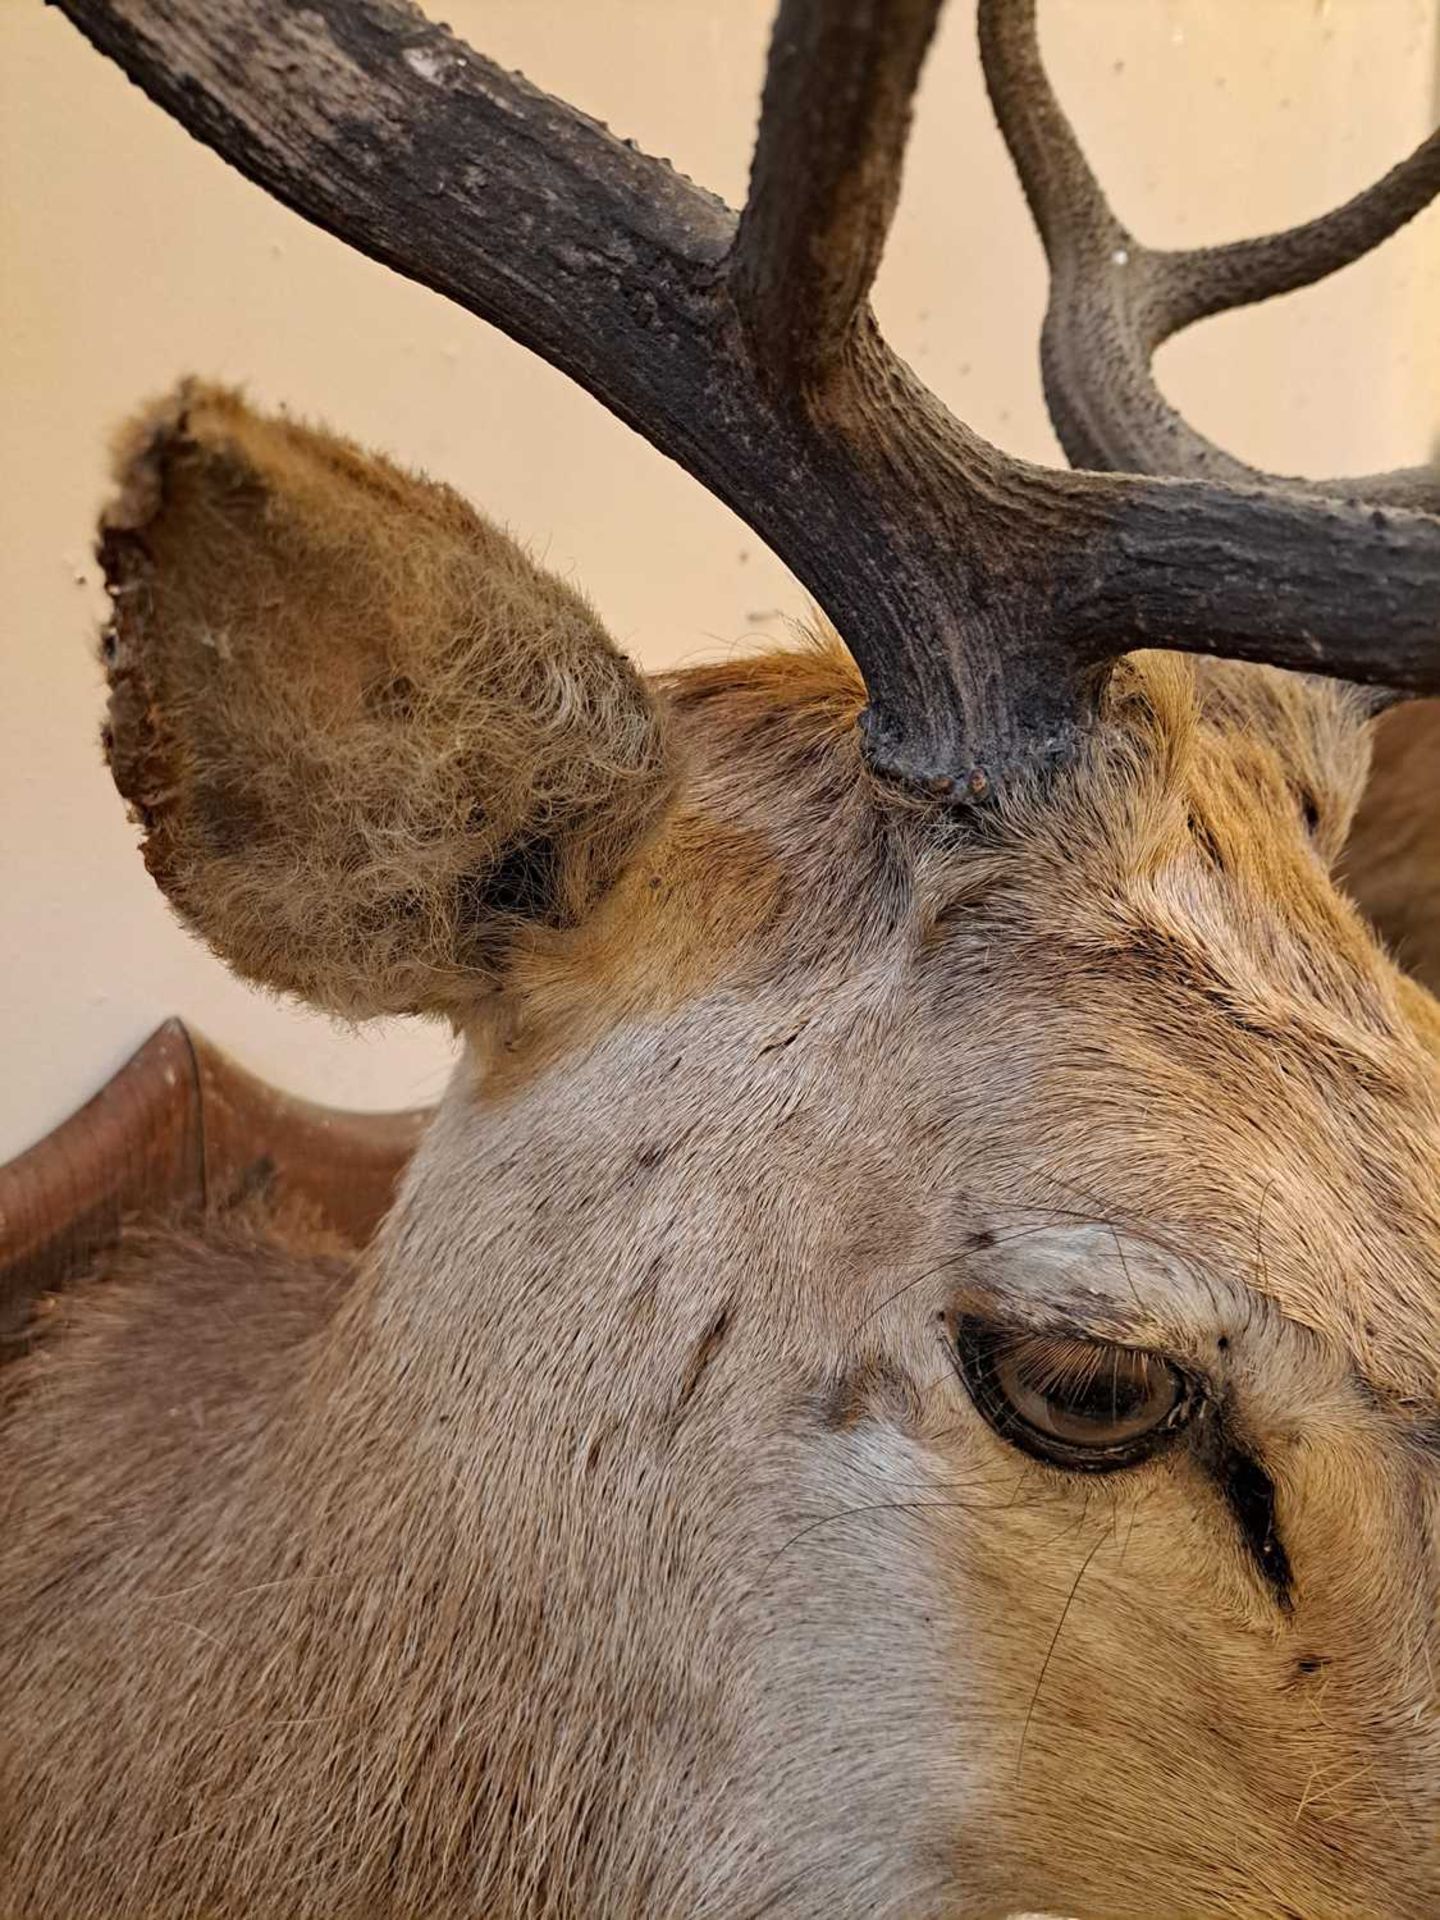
(905, 1377)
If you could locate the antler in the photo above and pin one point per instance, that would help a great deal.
(982, 598)
(826, 177)
(1115, 301)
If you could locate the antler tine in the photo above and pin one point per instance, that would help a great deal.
(826, 175)
(983, 599)
(1114, 301)
(1194, 282)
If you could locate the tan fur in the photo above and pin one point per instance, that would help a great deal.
(365, 734)
(621, 1541)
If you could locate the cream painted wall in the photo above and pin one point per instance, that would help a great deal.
(131, 255)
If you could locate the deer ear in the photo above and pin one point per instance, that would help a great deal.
(369, 741)
(1313, 733)
(1392, 858)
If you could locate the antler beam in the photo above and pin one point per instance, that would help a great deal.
(983, 599)
(1115, 301)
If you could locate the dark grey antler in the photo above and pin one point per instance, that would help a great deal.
(983, 599)
(1115, 301)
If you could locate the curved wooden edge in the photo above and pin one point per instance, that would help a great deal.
(342, 1167)
(181, 1129)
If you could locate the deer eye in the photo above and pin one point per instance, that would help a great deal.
(1087, 1404)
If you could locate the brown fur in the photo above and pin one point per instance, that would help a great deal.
(1392, 861)
(622, 1542)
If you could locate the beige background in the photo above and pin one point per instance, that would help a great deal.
(130, 255)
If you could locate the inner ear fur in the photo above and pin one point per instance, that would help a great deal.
(369, 741)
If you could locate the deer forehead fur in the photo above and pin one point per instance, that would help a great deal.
(617, 1538)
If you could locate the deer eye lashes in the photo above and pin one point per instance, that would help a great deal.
(1093, 1406)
